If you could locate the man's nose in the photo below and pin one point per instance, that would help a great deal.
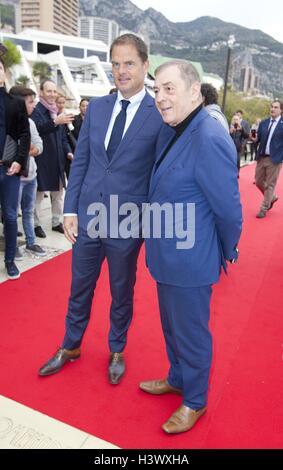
(159, 96)
(123, 68)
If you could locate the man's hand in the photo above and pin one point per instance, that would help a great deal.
(14, 169)
(70, 224)
(33, 151)
(70, 156)
(64, 119)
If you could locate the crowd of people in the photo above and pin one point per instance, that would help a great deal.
(176, 149)
(44, 135)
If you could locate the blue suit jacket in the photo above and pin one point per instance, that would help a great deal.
(200, 168)
(276, 143)
(93, 178)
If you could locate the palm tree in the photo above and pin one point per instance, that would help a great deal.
(23, 80)
(12, 56)
(41, 70)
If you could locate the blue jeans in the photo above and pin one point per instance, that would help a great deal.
(27, 195)
(9, 196)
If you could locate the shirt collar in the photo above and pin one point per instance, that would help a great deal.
(136, 99)
(277, 119)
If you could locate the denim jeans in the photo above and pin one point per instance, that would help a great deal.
(9, 196)
(27, 195)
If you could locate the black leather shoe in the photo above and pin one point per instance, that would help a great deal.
(58, 228)
(261, 214)
(39, 232)
(57, 361)
(116, 368)
(275, 199)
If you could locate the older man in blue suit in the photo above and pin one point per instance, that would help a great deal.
(269, 156)
(114, 157)
(196, 171)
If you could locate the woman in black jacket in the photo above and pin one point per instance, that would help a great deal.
(14, 126)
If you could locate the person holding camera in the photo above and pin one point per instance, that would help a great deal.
(253, 137)
(239, 136)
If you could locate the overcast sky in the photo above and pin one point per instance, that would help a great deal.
(250, 13)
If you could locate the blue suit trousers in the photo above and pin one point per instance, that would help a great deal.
(87, 258)
(184, 315)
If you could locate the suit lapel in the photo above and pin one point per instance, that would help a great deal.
(175, 150)
(104, 120)
(278, 127)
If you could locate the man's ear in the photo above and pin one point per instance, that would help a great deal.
(195, 91)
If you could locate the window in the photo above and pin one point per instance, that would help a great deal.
(101, 55)
(26, 45)
(73, 52)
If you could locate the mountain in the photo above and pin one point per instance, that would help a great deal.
(202, 40)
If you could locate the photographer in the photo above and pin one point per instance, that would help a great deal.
(239, 136)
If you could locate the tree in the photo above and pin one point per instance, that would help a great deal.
(252, 107)
(41, 70)
(12, 56)
(23, 80)
(7, 15)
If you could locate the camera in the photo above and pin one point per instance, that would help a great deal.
(236, 125)
(253, 133)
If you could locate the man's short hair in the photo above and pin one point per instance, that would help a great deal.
(280, 103)
(82, 100)
(188, 72)
(45, 80)
(133, 40)
(21, 91)
(209, 94)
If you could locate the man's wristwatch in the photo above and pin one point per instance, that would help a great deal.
(235, 259)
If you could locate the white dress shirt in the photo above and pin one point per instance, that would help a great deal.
(132, 108)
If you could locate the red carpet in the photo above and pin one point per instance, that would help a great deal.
(245, 400)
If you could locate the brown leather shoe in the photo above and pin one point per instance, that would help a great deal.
(116, 368)
(59, 359)
(183, 419)
(159, 387)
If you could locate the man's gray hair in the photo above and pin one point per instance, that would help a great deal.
(187, 71)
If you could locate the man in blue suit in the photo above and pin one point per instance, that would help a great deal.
(197, 172)
(269, 156)
(114, 157)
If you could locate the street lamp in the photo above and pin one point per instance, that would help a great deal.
(230, 43)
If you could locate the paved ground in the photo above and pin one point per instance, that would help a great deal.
(54, 244)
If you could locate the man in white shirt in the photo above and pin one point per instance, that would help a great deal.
(114, 157)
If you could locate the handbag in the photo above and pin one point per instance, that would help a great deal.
(10, 150)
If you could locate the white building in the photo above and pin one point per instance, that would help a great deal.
(213, 79)
(100, 29)
(80, 66)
